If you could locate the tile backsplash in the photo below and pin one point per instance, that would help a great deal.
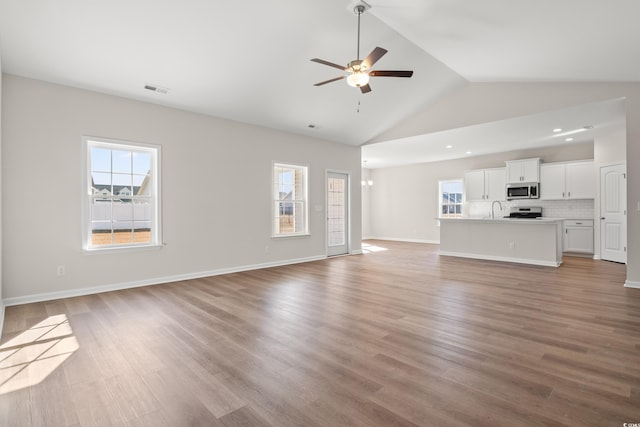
(570, 209)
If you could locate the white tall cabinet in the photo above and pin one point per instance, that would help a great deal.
(570, 180)
(485, 184)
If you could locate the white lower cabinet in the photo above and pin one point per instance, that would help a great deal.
(578, 236)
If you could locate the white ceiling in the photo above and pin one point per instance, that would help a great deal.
(524, 40)
(250, 61)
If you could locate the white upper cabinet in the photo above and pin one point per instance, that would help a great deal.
(495, 184)
(580, 180)
(484, 184)
(564, 181)
(527, 170)
(474, 185)
(552, 181)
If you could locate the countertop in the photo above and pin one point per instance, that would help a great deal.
(541, 220)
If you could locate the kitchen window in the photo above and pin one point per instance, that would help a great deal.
(121, 197)
(450, 198)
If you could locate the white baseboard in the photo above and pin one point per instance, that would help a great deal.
(356, 252)
(48, 296)
(632, 284)
(579, 255)
(503, 259)
(395, 239)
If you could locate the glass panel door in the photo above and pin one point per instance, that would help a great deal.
(337, 215)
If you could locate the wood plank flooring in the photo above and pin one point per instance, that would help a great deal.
(394, 337)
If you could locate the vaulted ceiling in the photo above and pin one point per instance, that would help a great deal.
(250, 61)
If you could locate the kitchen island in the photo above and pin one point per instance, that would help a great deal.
(528, 241)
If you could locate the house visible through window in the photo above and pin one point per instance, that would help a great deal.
(450, 198)
(122, 194)
(289, 200)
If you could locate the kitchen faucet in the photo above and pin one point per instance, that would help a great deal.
(493, 205)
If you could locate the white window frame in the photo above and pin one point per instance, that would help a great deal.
(297, 198)
(441, 184)
(155, 152)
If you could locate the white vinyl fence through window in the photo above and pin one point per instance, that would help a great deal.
(107, 215)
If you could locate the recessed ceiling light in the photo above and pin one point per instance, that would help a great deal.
(468, 152)
(449, 146)
(556, 130)
(569, 139)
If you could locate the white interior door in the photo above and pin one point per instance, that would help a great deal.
(337, 213)
(613, 213)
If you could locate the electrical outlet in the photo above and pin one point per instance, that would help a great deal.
(61, 270)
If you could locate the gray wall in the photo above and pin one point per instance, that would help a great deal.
(216, 191)
(366, 203)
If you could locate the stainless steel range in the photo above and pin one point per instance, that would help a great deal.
(525, 212)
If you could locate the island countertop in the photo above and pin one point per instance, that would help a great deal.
(541, 220)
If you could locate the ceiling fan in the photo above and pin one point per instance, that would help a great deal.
(360, 69)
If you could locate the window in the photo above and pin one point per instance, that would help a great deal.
(450, 199)
(290, 200)
(122, 197)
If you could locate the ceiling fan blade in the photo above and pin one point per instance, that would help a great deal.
(365, 89)
(329, 81)
(330, 64)
(386, 73)
(373, 57)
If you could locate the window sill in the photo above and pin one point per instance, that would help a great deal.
(289, 236)
(121, 249)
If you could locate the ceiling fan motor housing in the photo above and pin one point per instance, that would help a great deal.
(357, 66)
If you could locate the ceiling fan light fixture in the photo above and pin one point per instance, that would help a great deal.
(360, 69)
(358, 79)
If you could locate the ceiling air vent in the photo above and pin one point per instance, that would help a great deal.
(156, 88)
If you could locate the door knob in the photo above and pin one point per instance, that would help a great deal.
(602, 217)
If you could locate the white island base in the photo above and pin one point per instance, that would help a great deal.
(527, 241)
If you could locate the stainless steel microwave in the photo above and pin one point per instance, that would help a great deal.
(523, 191)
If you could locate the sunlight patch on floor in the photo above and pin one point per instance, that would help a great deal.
(30, 357)
(367, 248)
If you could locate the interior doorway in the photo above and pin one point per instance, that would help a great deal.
(613, 213)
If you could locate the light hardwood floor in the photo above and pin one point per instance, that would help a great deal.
(396, 337)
